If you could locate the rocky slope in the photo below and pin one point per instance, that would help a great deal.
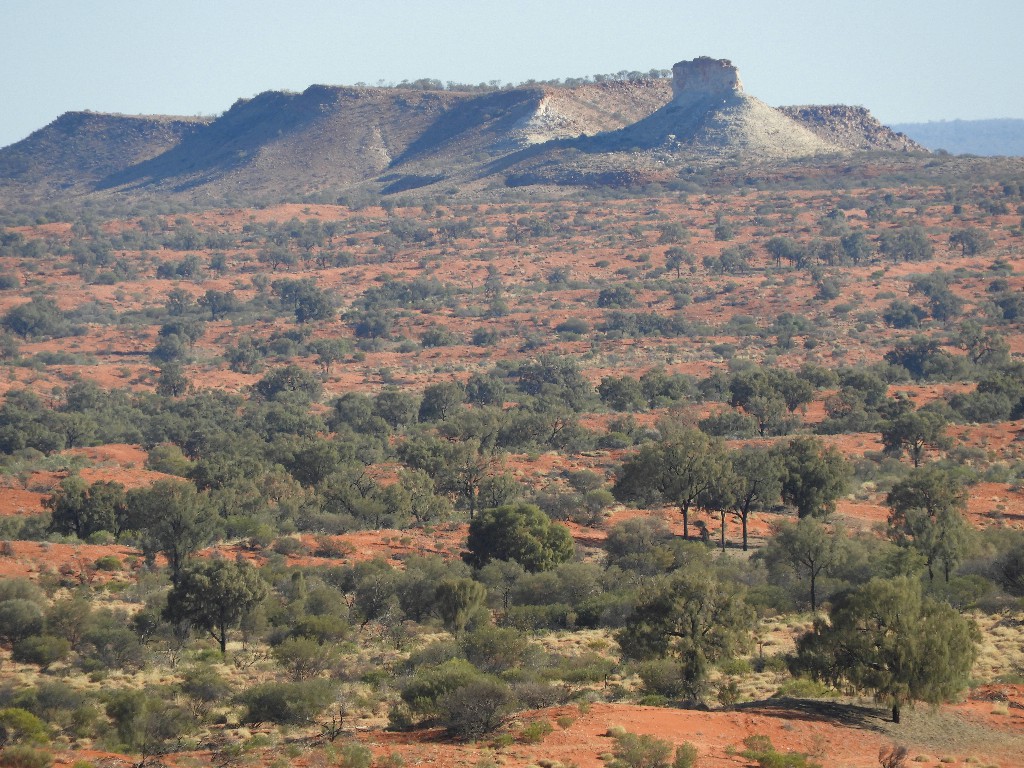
(79, 150)
(328, 139)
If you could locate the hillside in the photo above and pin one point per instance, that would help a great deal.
(78, 150)
(329, 140)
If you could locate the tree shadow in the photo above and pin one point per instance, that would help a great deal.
(816, 710)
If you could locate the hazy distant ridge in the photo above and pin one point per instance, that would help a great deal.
(969, 137)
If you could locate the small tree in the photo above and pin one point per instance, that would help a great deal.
(215, 595)
(173, 519)
(926, 512)
(815, 476)
(677, 470)
(971, 241)
(692, 617)
(520, 532)
(888, 638)
(457, 600)
(913, 432)
(808, 547)
(82, 509)
(758, 483)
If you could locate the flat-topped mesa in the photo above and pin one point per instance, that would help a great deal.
(704, 78)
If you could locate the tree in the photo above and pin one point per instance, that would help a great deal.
(787, 248)
(173, 519)
(720, 496)
(172, 381)
(441, 400)
(215, 595)
(907, 244)
(926, 512)
(971, 241)
(675, 257)
(83, 510)
(457, 600)
(758, 482)
(807, 546)
(913, 431)
(815, 476)
(693, 617)
(856, 247)
(983, 347)
(219, 303)
(329, 351)
(520, 532)
(888, 638)
(38, 317)
(676, 470)
(288, 382)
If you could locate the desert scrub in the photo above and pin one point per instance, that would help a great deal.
(634, 750)
(24, 756)
(535, 732)
(760, 750)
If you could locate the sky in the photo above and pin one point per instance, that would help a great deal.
(906, 60)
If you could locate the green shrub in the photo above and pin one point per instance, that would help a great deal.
(735, 667)
(633, 750)
(803, 688)
(19, 619)
(354, 756)
(422, 691)
(286, 703)
(663, 677)
(23, 756)
(18, 725)
(477, 708)
(686, 756)
(108, 563)
(759, 748)
(41, 650)
(535, 732)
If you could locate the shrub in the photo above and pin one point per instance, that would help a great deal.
(686, 756)
(573, 326)
(535, 732)
(354, 756)
(23, 756)
(286, 703)
(18, 725)
(477, 708)
(633, 750)
(803, 688)
(760, 749)
(304, 657)
(108, 563)
(19, 619)
(41, 650)
(427, 686)
(663, 677)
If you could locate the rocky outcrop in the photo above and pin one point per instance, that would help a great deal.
(851, 128)
(710, 118)
(703, 79)
(330, 139)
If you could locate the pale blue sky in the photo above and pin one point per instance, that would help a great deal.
(906, 60)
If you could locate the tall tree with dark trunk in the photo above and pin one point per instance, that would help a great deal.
(677, 470)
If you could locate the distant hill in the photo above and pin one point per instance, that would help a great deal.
(969, 137)
(329, 140)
